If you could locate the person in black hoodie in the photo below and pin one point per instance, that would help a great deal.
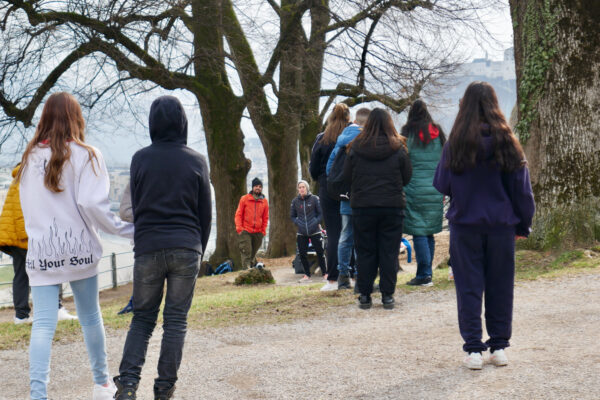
(306, 215)
(338, 120)
(377, 167)
(171, 201)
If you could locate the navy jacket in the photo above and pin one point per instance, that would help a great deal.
(170, 188)
(306, 214)
(485, 199)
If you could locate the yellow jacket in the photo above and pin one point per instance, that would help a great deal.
(12, 224)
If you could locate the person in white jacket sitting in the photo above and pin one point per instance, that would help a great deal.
(64, 196)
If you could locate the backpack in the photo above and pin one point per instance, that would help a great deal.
(223, 268)
(337, 188)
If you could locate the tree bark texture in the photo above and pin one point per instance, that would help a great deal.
(558, 77)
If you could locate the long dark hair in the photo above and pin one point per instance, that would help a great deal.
(337, 121)
(60, 123)
(478, 106)
(419, 120)
(379, 124)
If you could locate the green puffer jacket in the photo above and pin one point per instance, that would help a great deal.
(424, 204)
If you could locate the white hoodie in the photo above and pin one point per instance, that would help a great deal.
(62, 227)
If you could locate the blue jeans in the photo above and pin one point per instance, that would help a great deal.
(346, 245)
(45, 316)
(424, 250)
(180, 268)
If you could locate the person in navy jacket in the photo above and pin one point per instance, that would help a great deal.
(484, 171)
(306, 214)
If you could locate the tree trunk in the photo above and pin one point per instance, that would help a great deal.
(283, 176)
(228, 170)
(558, 78)
(221, 115)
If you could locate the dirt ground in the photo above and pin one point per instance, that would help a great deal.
(411, 352)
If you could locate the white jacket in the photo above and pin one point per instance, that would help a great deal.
(62, 227)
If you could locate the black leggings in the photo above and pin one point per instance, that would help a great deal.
(333, 225)
(317, 242)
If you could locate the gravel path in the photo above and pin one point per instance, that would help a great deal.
(412, 352)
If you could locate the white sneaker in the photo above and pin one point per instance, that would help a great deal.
(63, 315)
(19, 321)
(329, 287)
(474, 361)
(305, 279)
(498, 358)
(104, 393)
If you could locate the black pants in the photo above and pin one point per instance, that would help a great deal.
(20, 283)
(483, 263)
(317, 242)
(333, 225)
(180, 268)
(377, 238)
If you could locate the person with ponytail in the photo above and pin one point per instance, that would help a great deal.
(64, 186)
(322, 148)
(484, 171)
(424, 204)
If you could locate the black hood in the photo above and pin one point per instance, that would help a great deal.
(167, 121)
(380, 151)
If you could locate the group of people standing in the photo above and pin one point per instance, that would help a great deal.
(64, 185)
(397, 185)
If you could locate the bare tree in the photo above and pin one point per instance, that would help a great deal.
(558, 79)
(315, 53)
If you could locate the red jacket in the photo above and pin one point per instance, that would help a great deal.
(252, 214)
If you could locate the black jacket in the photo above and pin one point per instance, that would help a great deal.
(306, 214)
(377, 174)
(318, 161)
(170, 188)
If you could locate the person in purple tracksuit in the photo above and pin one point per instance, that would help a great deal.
(484, 171)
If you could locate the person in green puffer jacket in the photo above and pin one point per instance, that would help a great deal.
(424, 204)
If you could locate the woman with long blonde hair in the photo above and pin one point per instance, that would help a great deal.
(64, 196)
(337, 121)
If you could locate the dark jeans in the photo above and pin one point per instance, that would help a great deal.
(377, 239)
(424, 247)
(20, 283)
(180, 268)
(317, 242)
(333, 225)
(483, 263)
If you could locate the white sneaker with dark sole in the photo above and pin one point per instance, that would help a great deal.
(498, 358)
(474, 361)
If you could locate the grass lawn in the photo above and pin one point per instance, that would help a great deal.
(218, 303)
(6, 274)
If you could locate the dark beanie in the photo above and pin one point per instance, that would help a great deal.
(256, 181)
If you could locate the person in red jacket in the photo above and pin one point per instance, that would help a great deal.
(251, 219)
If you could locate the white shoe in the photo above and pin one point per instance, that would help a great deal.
(19, 321)
(329, 287)
(498, 358)
(104, 393)
(305, 279)
(474, 361)
(64, 315)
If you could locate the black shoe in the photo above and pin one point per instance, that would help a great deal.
(420, 282)
(364, 302)
(125, 391)
(164, 394)
(344, 282)
(388, 301)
